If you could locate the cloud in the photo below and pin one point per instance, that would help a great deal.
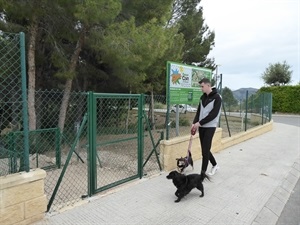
(250, 35)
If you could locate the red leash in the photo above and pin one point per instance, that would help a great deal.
(190, 145)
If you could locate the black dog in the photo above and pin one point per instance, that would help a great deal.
(185, 183)
(183, 163)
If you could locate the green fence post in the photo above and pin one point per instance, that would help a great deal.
(251, 110)
(271, 106)
(24, 100)
(262, 108)
(168, 102)
(67, 162)
(226, 119)
(140, 135)
(246, 109)
(92, 131)
(153, 144)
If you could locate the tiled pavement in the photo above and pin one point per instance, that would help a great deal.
(252, 186)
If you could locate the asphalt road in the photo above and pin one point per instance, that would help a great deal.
(290, 214)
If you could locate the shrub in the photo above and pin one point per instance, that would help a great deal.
(285, 98)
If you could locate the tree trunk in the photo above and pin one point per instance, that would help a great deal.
(68, 85)
(31, 75)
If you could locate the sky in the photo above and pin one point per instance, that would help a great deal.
(251, 35)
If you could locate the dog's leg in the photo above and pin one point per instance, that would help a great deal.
(201, 188)
(178, 199)
(177, 193)
(180, 196)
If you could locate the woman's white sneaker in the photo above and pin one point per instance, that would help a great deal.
(214, 170)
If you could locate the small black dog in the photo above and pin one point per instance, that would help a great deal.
(183, 163)
(185, 183)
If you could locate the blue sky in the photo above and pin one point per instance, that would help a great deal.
(250, 35)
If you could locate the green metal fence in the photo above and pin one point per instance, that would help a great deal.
(13, 104)
(254, 110)
(116, 145)
(42, 144)
(115, 140)
(108, 139)
(245, 115)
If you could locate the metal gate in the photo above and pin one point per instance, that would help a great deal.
(110, 153)
(115, 137)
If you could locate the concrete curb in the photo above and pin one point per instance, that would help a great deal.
(274, 206)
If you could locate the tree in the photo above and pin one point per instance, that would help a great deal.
(86, 16)
(139, 52)
(145, 11)
(66, 26)
(228, 98)
(98, 43)
(277, 74)
(199, 40)
(26, 16)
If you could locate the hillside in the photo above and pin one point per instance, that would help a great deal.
(240, 94)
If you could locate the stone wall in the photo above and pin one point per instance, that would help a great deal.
(177, 147)
(22, 198)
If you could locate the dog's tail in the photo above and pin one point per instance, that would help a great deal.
(204, 176)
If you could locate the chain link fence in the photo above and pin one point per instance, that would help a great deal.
(64, 155)
(67, 153)
(254, 110)
(13, 146)
(50, 149)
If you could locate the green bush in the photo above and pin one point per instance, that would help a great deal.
(184, 122)
(158, 105)
(286, 99)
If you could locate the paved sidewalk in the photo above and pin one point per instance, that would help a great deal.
(252, 186)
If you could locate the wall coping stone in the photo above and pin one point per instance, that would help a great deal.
(15, 179)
